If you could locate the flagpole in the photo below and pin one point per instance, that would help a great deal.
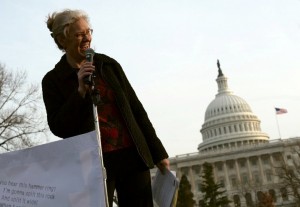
(278, 126)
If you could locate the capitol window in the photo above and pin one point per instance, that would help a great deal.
(231, 165)
(222, 182)
(242, 163)
(219, 166)
(196, 169)
(284, 194)
(273, 194)
(269, 176)
(277, 157)
(249, 201)
(245, 179)
(266, 160)
(254, 162)
(233, 182)
(256, 178)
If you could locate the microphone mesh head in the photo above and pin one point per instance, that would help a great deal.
(89, 51)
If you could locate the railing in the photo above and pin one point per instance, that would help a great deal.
(271, 143)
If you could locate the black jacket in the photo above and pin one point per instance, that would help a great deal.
(69, 114)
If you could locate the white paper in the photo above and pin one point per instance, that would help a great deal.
(164, 187)
(65, 173)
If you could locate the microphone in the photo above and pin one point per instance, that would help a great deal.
(89, 55)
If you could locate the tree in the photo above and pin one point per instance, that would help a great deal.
(265, 200)
(288, 170)
(20, 118)
(213, 195)
(245, 190)
(185, 195)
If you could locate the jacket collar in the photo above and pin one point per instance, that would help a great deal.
(63, 68)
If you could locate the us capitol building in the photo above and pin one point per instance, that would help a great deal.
(242, 156)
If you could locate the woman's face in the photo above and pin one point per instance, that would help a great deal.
(78, 39)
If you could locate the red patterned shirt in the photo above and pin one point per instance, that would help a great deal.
(114, 133)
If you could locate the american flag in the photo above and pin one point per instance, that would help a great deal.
(280, 111)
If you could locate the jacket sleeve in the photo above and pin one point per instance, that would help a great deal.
(155, 145)
(68, 113)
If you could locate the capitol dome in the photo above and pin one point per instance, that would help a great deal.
(229, 121)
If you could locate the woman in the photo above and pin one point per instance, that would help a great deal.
(129, 142)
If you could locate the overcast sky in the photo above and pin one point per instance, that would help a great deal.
(169, 50)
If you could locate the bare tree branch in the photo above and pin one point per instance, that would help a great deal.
(288, 171)
(21, 119)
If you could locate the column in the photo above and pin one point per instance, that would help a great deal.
(249, 170)
(237, 172)
(192, 180)
(227, 186)
(261, 169)
(214, 172)
(178, 173)
(272, 165)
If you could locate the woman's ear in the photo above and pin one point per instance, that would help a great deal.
(62, 41)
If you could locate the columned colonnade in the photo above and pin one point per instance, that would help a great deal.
(249, 174)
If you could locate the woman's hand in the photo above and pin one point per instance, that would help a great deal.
(163, 165)
(86, 69)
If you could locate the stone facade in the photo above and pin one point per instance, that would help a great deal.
(244, 171)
